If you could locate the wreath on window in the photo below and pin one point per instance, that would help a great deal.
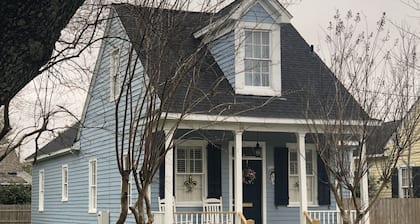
(189, 184)
(248, 176)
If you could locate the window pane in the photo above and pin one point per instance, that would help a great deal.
(309, 164)
(265, 38)
(257, 51)
(248, 79)
(248, 51)
(265, 52)
(256, 38)
(265, 79)
(248, 37)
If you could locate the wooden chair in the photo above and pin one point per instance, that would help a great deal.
(212, 208)
(162, 204)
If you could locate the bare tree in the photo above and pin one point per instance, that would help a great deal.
(46, 38)
(379, 75)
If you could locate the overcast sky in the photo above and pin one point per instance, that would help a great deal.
(310, 17)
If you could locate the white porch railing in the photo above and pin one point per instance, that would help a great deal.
(330, 216)
(227, 217)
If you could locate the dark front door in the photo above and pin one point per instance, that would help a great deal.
(252, 194)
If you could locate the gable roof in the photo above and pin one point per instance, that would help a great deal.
(11, 170)
(380, 136)
(307, 84)
(63, 141)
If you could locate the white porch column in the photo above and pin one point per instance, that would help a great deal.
(302, 176)
(364, 188)
(238, 172)
(169, 166)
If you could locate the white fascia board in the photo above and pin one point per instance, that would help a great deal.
(96, 68)
(272, 6)
(74, 148)
(263, 120)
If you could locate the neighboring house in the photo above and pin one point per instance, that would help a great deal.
(407, 168)
(12, 172)
(77, 182)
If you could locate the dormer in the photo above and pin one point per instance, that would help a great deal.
(244, 39)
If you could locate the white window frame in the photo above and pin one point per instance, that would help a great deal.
(64, 182)
(308, 147)
(274, 89)
(41, 190)
(114, 74)
(193, 143)
(403, 190)
(93, 186)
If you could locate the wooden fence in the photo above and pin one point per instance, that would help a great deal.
(15, 214)
(396, 210)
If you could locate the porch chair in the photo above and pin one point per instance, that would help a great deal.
(212, 208)
(162, 204)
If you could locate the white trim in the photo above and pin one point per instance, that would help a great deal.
(64, 183)
(97, 66)
(274, 88)
(263, 160)
(92, 205)
(74, 148)
(169, 166)
(264, 120)
(276, 10)
(41, 190)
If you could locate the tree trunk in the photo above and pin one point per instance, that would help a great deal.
(124, 198)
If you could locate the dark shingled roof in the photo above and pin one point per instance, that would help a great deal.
(380, 136)
(64, 140)
(308, 87)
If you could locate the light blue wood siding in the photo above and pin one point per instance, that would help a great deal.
(223, 51)
(257, 14)
(96, 142)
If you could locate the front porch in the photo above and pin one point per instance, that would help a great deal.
(289, 176)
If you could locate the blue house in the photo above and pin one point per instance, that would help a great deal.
(251, 152)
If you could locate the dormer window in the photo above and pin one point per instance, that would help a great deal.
(257, 59)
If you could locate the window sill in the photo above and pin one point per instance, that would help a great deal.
(93, 211)
(64, 199)
(258, 91)
(298, 205)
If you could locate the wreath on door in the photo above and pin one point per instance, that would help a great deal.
(249, 176)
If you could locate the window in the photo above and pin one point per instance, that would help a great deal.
(257, 58)
(405, 182)
(311, 180)
(190, 174)
(41, 190)
(64, 183)
(114, 74)
(92, 186)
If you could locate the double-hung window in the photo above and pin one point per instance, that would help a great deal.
(190, 175)
(92, 186)
(405, 183)
(41, 190)
(257, 58)
(64, 183)
(311, 182)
